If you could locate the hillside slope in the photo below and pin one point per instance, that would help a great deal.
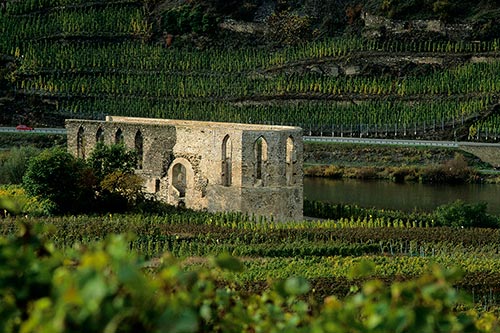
(256, 61)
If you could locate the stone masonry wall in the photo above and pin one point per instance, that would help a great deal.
(256, 169)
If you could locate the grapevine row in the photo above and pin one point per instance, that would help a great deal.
(376, 116)
(18, 7)
(140, 56)
(108, 21)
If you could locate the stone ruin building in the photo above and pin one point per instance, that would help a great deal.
(255, 169)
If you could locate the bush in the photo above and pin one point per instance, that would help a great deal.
(366, 173)
(460, 214)
(454, 171)
(55, 175)
(120, 190)
(403, 174)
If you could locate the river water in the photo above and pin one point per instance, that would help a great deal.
(406, 197)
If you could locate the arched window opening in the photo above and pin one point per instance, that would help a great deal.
(260, 151)
(226, 173)
(99, 137)
(291, 159)
(80, 144)
(179, 180)
(119, 136)
(139, 149)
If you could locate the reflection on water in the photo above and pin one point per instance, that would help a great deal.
(408, 196)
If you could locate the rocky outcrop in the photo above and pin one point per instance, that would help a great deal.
(378, 26)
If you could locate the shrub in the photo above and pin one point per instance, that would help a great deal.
(454, 171)
(333, 171)
(460, 214)
(120, 190)
(366, 173)
(400, 175)
(57, 176)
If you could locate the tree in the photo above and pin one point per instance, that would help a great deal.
(118, 186)
(57, 176)
(106, 159)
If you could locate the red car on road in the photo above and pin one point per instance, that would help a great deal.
(24, 128)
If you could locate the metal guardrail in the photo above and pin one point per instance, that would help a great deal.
(36, 130)
(306, 138)
(427, 143)
(382, 141)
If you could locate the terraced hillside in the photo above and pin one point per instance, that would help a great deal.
(70, 59)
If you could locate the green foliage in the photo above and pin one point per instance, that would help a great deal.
(423, 305)
(13, 165)
(457, 214)
(27, 266)
(460, 214)
(117, 186)
(14, 201)
(71, 185)
(103, 288)
(56, 176)
(455, 171)
(189, 18)
(9, 205)
(333, 211)
(121, 190)
(106, 159)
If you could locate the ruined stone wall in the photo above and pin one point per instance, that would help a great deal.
(255, 169)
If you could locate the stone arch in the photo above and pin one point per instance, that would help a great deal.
(260, 149)
(80, 143)
(181, 182)
(291, 159)
(119, 139)
(99, 136)
(139, 148)
(227, 155)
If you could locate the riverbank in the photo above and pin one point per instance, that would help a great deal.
(396, 163)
